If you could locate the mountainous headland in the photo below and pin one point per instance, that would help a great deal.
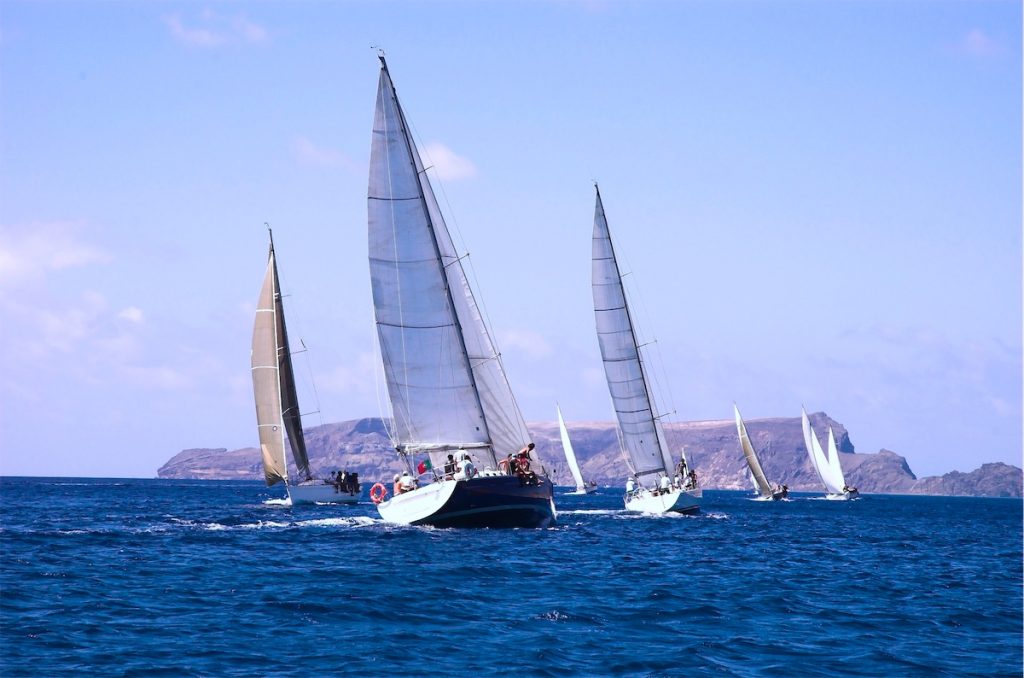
(362, 445)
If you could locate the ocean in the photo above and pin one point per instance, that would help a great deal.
(206, 578)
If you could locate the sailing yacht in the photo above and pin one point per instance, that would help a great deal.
(652, 488)
(277, 403)
(570, 458)
(757, 476)
(829, 470)
(454, 421)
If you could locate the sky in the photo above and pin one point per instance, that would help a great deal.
(818, 204)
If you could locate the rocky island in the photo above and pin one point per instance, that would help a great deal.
(362, 445)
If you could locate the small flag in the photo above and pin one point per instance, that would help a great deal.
(424, 466)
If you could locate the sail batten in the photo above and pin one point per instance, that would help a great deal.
(628, 385)
(273, 379)
(444, 377)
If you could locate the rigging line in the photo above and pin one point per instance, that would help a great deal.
(485, 317)
(392, 95)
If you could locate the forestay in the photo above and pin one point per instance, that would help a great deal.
(445, 380)
(624, 368)
(273, 381)
(756, 472)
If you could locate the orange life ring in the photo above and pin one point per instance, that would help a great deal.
(378, 492)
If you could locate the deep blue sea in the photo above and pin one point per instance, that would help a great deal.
(183, 578)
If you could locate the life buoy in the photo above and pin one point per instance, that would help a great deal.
(378, 492)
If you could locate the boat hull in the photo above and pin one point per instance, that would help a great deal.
(676, 501)
(484, 501)
(320, 493)
(586, 490)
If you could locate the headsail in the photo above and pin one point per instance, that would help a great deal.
(570, 455)
(273, 381)
(761, 483)
(624, 368)
(819, 460)
(835, 468)
(445, 380)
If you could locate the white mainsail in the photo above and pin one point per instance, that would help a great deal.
(761, 483)
(273, 382)
(832, 483)
(639, 425)
(444, 376)
(570, 455)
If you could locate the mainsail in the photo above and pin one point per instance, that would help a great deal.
(273, 382)
(832, 483)
(756, 472)
(641, 431)
(570, 455)
(445, 379)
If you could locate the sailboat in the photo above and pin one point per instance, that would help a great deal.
(651, 489)
(454, 422)
(277, 403)
(570, 458)
(828, 467)
(757, 476)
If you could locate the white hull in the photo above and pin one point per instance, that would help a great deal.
(679, 501)
(843, 496)
(320, 493)
(580, 492)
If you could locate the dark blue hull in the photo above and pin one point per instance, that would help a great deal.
(496, 501)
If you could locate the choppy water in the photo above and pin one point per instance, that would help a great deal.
(132, 577)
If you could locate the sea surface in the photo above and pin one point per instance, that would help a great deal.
(205, 578)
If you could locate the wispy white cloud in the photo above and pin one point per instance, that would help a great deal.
(447, 164)
(308, 153)
(211, 29)
(531, 344)
(978, 43)
(29, 251)
(132, 314)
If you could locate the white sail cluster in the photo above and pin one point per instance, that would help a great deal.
(828, 467)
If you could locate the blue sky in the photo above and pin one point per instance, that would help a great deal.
(820, 204)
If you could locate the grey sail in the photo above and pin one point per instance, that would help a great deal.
(756, 472)
(445, 380)
(273, 381)
(624, 368)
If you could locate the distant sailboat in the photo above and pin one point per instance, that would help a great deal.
(449, 396)
(652, 488)
(757, 476)
(277, 403)
(829, 469)
(570, 458)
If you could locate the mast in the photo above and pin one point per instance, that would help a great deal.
(291, 416)
(660, 442)
(444, 374)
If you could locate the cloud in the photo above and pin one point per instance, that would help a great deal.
(977, 43)
(131, 314)
(309, 153)
(447, 164)
(215, 30)
(529, 343)
(29, 251)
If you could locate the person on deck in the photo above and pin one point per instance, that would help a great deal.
(396, 489)
(407, 482)
(630, 486)
(665, 484)
(450, 467)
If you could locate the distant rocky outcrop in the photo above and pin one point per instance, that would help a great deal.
(362, 445)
